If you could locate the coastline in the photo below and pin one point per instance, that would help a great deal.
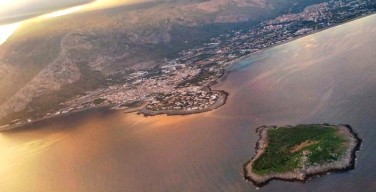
(226, 72)
(221, 101)
(346, 163)
(130, 109)
(11, 127)
(229, 63)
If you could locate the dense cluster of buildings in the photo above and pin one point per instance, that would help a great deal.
(189, 101)
(314, 13)
(272, 32)
(180, 81)
(145, 89)
(201, 66)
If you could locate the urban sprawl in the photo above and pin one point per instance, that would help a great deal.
(182, 85)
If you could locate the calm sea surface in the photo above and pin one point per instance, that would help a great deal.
(326, 77)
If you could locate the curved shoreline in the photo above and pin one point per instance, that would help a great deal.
(140, 110)
(227, 71)
(221, 101)
(346, 163)
(45, 119)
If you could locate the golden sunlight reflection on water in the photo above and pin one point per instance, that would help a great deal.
(331, 82)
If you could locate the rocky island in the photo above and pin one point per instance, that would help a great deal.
(295, 153)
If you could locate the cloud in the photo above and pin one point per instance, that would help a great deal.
(18, 10)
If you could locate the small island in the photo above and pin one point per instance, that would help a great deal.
(295, 153)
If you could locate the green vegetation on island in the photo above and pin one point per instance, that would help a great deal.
(297, 152)
(286, 148)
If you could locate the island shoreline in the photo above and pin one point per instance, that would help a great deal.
(290, 176)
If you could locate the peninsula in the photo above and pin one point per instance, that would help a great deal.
(185, 103)
(295, 153)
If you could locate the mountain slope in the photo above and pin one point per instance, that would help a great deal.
(42, 59)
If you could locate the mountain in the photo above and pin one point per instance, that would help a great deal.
(46, 63)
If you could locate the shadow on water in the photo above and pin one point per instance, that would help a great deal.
(70, 121)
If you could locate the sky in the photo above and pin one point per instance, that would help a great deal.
(15, 12)
(12, 11)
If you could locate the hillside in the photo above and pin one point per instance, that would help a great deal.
(46, 63)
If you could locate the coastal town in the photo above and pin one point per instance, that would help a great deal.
(182, 85)
(184, 103)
